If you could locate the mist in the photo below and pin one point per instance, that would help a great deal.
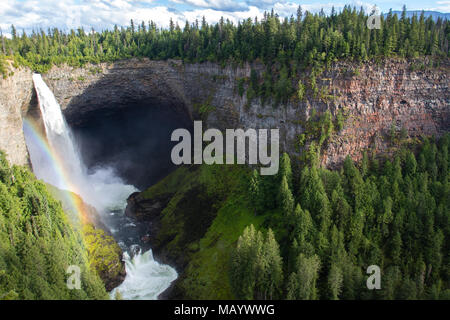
(134, 141)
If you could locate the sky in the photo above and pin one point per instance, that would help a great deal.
(102, 14)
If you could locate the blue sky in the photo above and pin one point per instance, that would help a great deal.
(100, 14)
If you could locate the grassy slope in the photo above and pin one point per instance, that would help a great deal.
(206, 214)
(208, 269)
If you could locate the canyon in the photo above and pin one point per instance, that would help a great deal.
(373, 96)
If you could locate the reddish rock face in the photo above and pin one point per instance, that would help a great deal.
(373, 98)
(383, 95)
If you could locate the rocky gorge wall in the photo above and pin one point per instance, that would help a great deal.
(385, 95)
(16, 96)
(373, 98)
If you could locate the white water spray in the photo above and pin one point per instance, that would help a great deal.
(146, 278)
(102, 189)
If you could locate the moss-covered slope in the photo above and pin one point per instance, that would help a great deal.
(197, 214)
(105, 255)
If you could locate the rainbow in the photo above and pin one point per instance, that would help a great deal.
(33, 132)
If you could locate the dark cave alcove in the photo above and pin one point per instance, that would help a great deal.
(135, 140)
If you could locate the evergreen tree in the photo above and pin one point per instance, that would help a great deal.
(285, 198)
(302, 283)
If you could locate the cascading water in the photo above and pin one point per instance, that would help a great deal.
(146, 278)
(102, 189)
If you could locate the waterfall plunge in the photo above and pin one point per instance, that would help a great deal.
(102, 189)
(146, 278)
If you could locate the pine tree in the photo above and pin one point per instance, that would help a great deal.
(255, 191)
(285, 198)
(256, 266)
(410, 164)
(285, 169)
(302, 283)
(274, 268)
(335, 281)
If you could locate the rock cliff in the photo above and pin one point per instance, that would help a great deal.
(16, 95)
(374, 97)
(387, 95)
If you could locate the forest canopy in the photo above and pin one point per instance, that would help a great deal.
(303, 39)
(38, 243)
(324, 228)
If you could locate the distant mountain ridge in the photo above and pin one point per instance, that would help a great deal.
(434, 14)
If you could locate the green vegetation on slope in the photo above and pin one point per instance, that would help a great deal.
(207, 211)
(104, 254)
(312, 233)
(332, 225)
(38, 243)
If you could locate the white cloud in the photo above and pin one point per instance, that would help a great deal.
(264, 4)
(102, 14)
(224, 5)
(213, 16)
(160, 15)
(442, 6)
(286, 9)
(32, 14)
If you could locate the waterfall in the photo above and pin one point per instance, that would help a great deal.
(102, 189)
(146, 278)
(63, 156)
(64, 168)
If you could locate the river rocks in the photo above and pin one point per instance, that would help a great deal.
(113, 281)
(148, 211)
(143, 209)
